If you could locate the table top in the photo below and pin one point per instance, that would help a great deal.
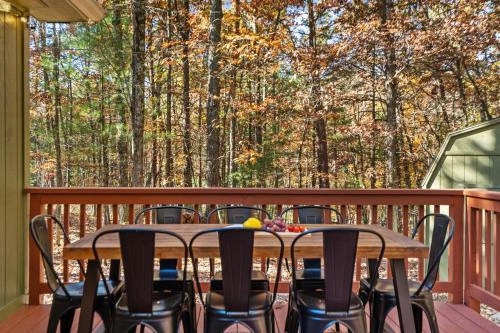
(397, 245)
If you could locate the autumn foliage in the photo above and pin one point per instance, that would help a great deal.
(354, 94)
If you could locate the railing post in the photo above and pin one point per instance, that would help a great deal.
(470, 276)
(34, 256)
(456, 254)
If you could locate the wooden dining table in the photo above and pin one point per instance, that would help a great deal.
(398, 248)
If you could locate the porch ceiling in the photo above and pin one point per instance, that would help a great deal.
(62, 10)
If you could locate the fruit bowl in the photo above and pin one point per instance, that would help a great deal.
(279, 226)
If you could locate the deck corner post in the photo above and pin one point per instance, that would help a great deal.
(34, 262)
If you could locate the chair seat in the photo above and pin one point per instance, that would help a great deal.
(259, 302)
(259, 281)
(313, 303)
(164, 303)
(385, 287)
(75, 290)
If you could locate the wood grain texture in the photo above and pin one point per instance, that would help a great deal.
(397, 245)
(452, 318)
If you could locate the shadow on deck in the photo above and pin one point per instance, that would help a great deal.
(452, 318)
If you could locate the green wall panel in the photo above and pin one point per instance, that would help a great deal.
(12, 168)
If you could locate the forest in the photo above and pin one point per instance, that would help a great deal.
(259, 93)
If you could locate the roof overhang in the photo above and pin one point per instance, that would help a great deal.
(61, 10)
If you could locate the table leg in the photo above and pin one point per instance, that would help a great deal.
(372, 265)
(405, 313)
(114, 271)
(89, 297)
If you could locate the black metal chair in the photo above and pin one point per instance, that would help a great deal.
(383, 298)
(140, 303)
(310, 277)
(318, 309)
(168, 276)
(238, 215)
(67, 297)
(237, 302)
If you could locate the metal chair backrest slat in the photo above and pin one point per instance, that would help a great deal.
(167, 215)
(311, 214)
(236, 246)
(39, 230)
(314, 214)
(339, 253)
(236, 267)
(137, 251)
(137, 246)
(439, 243)
(238, 214)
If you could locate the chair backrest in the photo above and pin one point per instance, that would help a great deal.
(40, 232)
(238, 214)
(236, 253)
(137, 246)
(314, 214)
(166, 214)
(439, 243)
(339, 253)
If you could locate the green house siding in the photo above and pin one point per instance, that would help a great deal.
(12, 173)
(469, 158)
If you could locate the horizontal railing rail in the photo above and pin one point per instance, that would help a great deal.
(482, 251)
(84, 210)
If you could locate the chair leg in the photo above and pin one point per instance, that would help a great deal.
(417, 315)
(67, 320)
(57, 310)
(188, 322)
(212, 267)
(431, 318)
(192, 306)
(379, 311)
(104, 312)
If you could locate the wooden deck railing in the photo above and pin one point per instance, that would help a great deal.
(83, 210)
(482, 251)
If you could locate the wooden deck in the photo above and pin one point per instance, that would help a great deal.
(452, 318)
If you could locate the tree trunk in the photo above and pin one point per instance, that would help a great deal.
(373, 152)
(104, 138)
(187, 147)
(119, 101)
(156, 87)
(233, 112)
(137, 104)
(461, 90)
(213, 100)
(56, 127)
(169, 167)
(392, 98)
(317, 106)
(480, 96)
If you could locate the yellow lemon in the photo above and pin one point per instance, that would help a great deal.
(252, 223)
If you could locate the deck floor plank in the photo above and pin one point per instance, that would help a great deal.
(454, 318)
